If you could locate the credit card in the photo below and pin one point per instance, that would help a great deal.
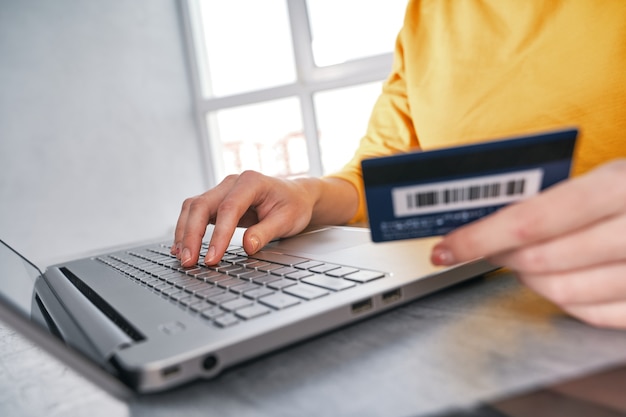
(430, 193)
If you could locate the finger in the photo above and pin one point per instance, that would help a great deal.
(563, 208)
(285, 213)
(180, 227)
(197, 218)
(187, 218)
(199, 211)
(244, 194)
(610, 315)
(597, 244)
(597, 285)
(278, 223)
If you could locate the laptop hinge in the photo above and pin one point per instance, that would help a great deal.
(102, 332)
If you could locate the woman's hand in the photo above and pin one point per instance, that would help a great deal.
(567, 244)
(268, 207)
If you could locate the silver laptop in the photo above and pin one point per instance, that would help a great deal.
(133, 320)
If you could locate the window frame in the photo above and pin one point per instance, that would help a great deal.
(310, 79)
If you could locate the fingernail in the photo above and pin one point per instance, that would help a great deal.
(185, 257)
(210, 254)
(442, 256)
(255, 242)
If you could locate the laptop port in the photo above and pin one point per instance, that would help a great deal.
(209, 362)
(361, 306)
(170, 371)
(391, 296)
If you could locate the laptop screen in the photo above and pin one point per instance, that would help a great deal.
(28, 305)
(17, 280)
(26, 292)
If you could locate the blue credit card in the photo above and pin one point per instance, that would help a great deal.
(431, 193)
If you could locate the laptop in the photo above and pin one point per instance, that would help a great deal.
(133, 321)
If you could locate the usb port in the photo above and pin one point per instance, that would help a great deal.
(391, 296)
(362, 306)
(170, 371)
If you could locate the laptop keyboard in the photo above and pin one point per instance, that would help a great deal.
(239, 287)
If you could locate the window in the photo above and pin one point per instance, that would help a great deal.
(345, 30)
(286, 87)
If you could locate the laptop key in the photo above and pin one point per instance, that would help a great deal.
(149, 267)
(251, 312)
(217, 278)
(186, 301)
(171, 291)
(335, 284)
(279, 300)
(222, 298)
(220, 265)
(240, 289)
(308, 292)
(171, 263)
(198, 306)
(340, 272)
(200, 273)
(209, 292)
(233, 269)
(323, 268)
(236, 304)
(231, 282)
(299, 274)
(364, 276)
(181, 295)
(226, 320)
(148, 279)
(236, 259)
(281, 283)
(247, 262)
(241, 273)
(212, 312)
(180, 277)
(196, 286)
(267, 266)
(153, 283)
(252, 275)
(264, 279)
(283, 271)
(170, 277)
(308, 264)
(258, 293)
(162, 286)
(192, 271)
(208, 274)
(229, 257)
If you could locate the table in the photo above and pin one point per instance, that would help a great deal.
(485, 338)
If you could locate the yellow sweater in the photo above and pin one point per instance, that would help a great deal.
(473, 70)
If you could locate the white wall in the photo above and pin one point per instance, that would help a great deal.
(98, 144)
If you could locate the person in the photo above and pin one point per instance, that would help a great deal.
(463, 72)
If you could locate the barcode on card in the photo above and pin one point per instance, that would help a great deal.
(483, 191)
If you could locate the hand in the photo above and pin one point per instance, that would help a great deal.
(567, 244)
(269, 207)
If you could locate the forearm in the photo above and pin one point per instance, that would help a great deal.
(335, 200)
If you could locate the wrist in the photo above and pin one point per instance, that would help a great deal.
(334, 200)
